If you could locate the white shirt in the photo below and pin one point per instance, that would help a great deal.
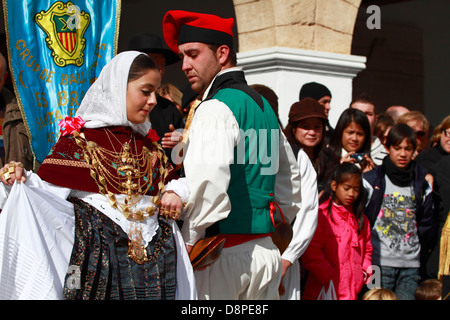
(303, 228)
(306, 221)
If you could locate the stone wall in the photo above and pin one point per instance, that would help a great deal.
(319, 25)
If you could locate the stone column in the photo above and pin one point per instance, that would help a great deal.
(286, 43)
(285, 70)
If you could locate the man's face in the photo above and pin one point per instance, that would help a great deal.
(325, 101)
(200, 64)
(369, 110)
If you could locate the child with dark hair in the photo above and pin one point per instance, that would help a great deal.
(401, 214)
(340, 251)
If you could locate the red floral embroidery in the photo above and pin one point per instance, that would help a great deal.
(70, 125)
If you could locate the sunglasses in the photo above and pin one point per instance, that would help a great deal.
(420, 134)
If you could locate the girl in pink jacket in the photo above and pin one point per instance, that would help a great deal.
(341, 249)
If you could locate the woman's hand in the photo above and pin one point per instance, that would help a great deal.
(367, 164)
(12, 172)
(348, 158)
(171, 205)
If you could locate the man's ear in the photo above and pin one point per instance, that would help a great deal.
(223, 52)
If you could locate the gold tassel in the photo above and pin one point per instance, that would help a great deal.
(444, 254)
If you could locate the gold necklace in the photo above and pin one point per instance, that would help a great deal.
(124, 171)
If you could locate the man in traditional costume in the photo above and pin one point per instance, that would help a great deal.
(237, 162)
(92, 224)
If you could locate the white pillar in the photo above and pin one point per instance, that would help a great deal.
(285, 70)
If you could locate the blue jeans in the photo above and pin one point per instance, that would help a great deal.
(403, 281)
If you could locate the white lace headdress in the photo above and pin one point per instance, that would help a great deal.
(105, 102)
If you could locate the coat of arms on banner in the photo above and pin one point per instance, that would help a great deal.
(65, 26)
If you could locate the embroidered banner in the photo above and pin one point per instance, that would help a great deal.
(56, 50)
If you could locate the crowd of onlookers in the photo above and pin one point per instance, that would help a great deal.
(398, 201)
(390, 170)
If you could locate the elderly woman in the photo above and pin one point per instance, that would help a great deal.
(421, 127)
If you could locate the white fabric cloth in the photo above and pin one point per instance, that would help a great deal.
(102, 106)
(213, 134)
(254, 265)
(303, 228)
(36, 240)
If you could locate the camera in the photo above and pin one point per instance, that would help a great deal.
(358, 156)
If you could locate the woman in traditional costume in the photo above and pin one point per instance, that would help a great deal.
(97, 220)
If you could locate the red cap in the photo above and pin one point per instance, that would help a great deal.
(183, 26)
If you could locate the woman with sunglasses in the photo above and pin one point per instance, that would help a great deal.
(421, 127)
(440, 145)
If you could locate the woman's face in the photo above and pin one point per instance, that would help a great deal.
(445, 140)
(353, 137)
(141, 96)
(308, 132)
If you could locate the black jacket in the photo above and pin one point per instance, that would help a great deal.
(164, 114)
(425, 214)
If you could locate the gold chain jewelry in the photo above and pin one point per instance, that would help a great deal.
(124, 171)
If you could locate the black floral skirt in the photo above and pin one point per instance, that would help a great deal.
(100, 268)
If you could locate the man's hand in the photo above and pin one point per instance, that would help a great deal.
(171, 139)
